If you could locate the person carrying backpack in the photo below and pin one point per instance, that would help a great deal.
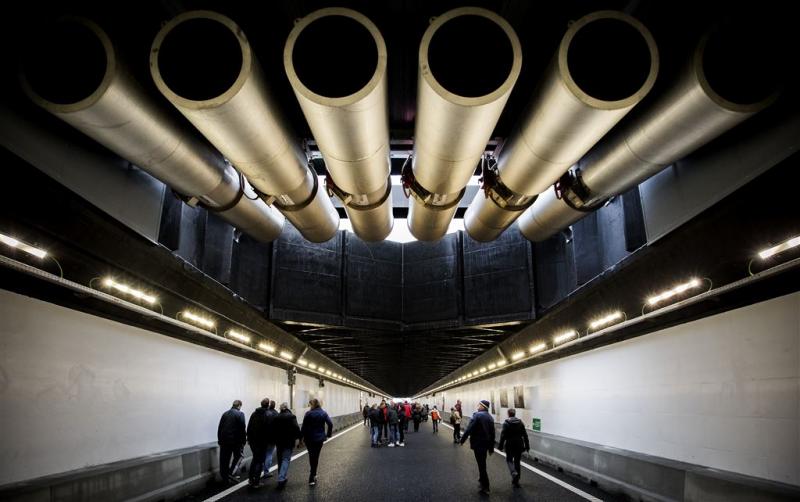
(435, 419)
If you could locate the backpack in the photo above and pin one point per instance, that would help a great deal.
(452, 419)
(435, 415)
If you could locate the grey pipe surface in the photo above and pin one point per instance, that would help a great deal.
(691, 113)
(108, 105)
(202, 62)
(335, 59)
(469, 61)
(606, 63)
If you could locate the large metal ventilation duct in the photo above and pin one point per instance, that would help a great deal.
(335, 59)
(203, 64)
(74, 72)
(606, 64)
(724, 84)
(469, 61)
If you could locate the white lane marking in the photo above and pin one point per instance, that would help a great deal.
(241, 485)
(548, 477)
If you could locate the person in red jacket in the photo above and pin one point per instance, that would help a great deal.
(407, 413)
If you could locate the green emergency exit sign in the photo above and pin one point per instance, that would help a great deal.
(537, 424)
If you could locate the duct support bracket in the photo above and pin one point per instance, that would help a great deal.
(194, 201)
(412, 188)
(347, 198)
(271, 200)
(571, 189)
(494, 189)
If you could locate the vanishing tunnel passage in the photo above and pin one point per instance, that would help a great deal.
(522, 251)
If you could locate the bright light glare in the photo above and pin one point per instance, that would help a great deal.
(302, 362)
(501, 362)
(538, 348)
(680, 288)
(202, 321)
(124, 288)
(563, 337)
(239, 336)
(605, 320)
(492, 366)
(518, 355)
(328, 372)
(780, 248)
(287, 355)
(400, 231)
(18, 244)
(312, 366)
(482, 370)
(266, 347)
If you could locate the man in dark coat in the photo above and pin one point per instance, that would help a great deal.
(480, 433)
(231, 438)
(286, 433)
(257, 436)
(514, 438)
(315, 423)
(270, 450)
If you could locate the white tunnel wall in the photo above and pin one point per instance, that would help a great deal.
(721, 392)
(79, 390)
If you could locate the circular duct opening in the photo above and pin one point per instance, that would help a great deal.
(609, 59)
(741, 68)
(66, 63)
(470, 56)
(335, 56)
(199, 59)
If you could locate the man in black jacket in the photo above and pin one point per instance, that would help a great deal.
(231, 438)
(514, 438)
(270, 449)
(286, 433)
(257, 436)
(480, 432)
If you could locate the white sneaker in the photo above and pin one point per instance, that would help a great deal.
(401, 444)
(391, 445)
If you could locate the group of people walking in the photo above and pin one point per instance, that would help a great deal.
(481, 435)
(389, 422)
(270, 433)
(277, 433)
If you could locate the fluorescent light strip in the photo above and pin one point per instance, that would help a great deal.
(18, 244)
(501, 362)
(780, 248)
(517, 356)
(482, 370)
(302, 362)
(124, 288)
(239, 336)
(606, 319)
(563, 337)
(680, 288)
(312, 366)
(287, 355)
(538, 348)
(202, 321)
(492, 366)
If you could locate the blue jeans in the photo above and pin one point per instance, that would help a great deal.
(284, 457)
(268, 458)
(392, 433)
(376, 433)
